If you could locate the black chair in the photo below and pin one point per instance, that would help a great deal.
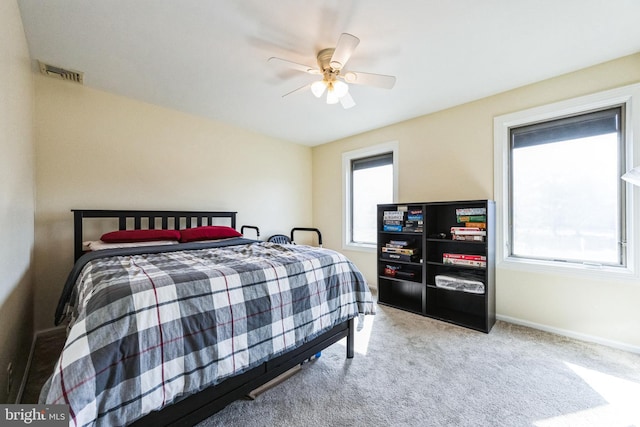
(280, 239)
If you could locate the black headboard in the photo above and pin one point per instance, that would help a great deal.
(135, 220)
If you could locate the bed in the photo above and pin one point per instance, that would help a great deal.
(170, 334)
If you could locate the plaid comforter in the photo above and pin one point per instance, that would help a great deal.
(151, 328)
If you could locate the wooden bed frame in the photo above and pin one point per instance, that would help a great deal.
(207, 402)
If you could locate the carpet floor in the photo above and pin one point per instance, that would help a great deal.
(414, 371)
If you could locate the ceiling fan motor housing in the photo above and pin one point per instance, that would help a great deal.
(324, 60)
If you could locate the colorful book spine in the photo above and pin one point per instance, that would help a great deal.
(393, 215)
(465, 263)
(400, 251)
(471, 218)
(399, 243)
(390, 227)
(464, 260)
(475, 231)
(467, 237)
(471, 211)
(476, 224)
(415, 215)
(464, 256)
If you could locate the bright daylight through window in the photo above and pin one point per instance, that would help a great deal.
(567, 198)
(371, 184)
(370, 178)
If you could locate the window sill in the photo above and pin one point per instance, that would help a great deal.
(360, 247)
(568, 269)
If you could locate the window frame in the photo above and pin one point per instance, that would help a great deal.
(347, 189)
(517, 132)
(629, 98)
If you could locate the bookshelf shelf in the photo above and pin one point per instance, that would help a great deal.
(435, 273)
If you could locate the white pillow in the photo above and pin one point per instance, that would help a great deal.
(96, 245)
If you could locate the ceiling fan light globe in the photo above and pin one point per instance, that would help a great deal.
(340, 88)
(332, 98)
(318, 88)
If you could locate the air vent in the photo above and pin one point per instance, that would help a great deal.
(61, 73)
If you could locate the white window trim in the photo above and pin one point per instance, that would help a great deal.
(627, 95)
(347, 157)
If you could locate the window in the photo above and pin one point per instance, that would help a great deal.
(567, 198)
(369, 179)
(561, 202)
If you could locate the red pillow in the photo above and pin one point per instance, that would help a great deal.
(207, 232)
(129, 236)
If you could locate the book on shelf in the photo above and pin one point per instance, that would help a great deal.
(412, 230)
(413, 226)
(415, 215)
(471, 211)
(464, 260)
(393, 215)
(393, 243)
(396, 271)
(467, 237)
(410, 221)
(400, 243)
(471, 218)
(476, 224)
(390, 270)
(392, 220)
(464, 256)
(400, 257)
(391, 227)
(401, 247)
(403, 251)
(475, 231)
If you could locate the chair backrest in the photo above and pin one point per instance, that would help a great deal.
(279, 238)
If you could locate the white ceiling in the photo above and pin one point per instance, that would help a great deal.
(209, 57)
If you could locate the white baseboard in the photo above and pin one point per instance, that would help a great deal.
(571, 334)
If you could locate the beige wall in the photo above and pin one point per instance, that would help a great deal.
(96, 150)
(16, 199)
(448, 155)
(101, 151)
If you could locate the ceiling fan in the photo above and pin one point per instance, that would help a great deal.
(331, 62)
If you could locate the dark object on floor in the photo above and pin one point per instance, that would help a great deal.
(45, 349)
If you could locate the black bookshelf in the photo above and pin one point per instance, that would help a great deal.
(413, 254)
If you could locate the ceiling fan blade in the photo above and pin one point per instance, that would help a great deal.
(347, 101)
(346, 45)
(369, 79)
(294, 65)
(301, 88)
